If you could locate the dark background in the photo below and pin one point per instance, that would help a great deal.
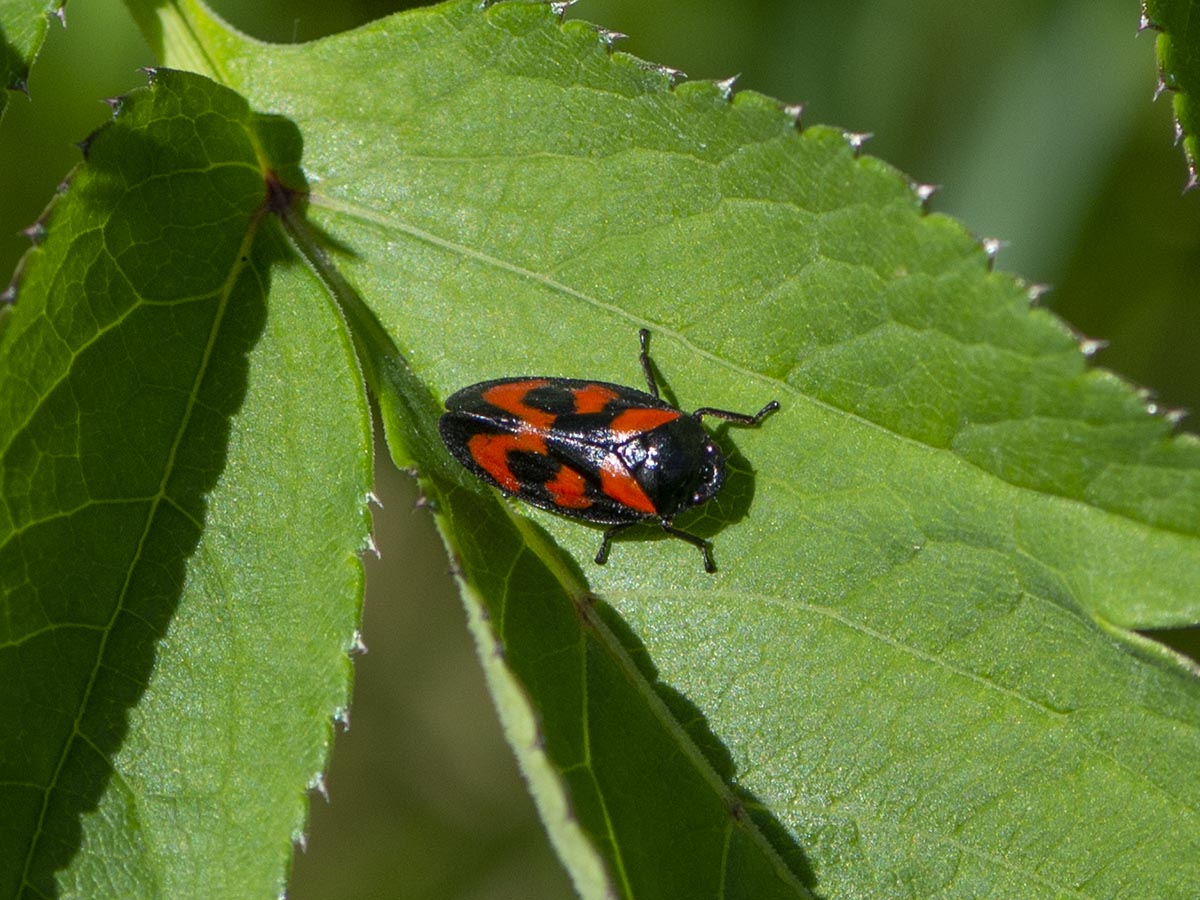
(1035, 115)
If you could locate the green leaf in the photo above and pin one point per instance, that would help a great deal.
(1178, 24)
(22, 30)
(911, 675)
(910, 668)
(183, 504)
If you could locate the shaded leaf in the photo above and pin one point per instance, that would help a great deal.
(181, 515)
(22, 30)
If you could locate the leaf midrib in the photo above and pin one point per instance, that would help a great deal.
(371, 217)
(552, 557)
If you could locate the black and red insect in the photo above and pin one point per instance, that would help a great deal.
(591, 450)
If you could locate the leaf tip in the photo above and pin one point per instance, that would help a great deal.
(1089, 347)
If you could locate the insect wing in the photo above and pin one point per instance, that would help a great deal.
(555, 443)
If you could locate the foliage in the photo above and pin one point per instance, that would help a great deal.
(914, 673)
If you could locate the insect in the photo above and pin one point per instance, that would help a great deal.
(591, 450)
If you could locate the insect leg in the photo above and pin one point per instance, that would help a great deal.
(609, 534)
(740, 418)
(705, 548)
(644, 337)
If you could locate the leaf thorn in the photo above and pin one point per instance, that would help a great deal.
(1144, 22)
(35, 232)
(794, 111)
(611, 37)
(925, 193)
(371, 547)
(991, 247)
(1036, 292)
(341, 716)
(1175, 415)
(317, 783)
(673, 76)
(856, 139)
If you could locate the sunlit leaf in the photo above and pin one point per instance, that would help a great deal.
(912, 674)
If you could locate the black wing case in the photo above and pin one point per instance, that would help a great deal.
(544, 440)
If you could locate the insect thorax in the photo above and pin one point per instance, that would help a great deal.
(677, 464)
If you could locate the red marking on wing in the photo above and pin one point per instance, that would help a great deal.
(642, 419)
(593, 398)
(491, 451)
(620, 485)
(567, 488)
(510, 397)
